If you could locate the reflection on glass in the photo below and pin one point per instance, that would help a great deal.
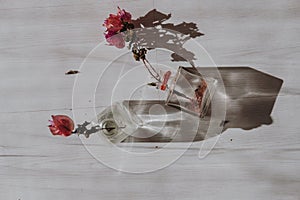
(191, 92)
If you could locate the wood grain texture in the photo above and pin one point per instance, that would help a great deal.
(41, 40)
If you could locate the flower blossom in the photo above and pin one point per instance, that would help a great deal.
(61, 125)
(113, 23)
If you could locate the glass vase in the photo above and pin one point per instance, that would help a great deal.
(181, 117)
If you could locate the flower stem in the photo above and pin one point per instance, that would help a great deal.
(151, 70)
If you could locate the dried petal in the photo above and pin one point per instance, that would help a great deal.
(165, 80)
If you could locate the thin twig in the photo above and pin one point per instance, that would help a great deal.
(156, 77)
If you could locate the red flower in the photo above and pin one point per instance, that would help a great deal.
(116, 40)
(113, 23)
(61, 125)
(125, 16)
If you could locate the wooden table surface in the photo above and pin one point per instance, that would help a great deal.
(41, 40)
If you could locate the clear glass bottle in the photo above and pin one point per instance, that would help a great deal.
(180, 118)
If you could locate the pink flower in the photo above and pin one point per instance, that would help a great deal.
(113, 23)
(125, 16)
(109, 34)
(61, 125)
(116, 40)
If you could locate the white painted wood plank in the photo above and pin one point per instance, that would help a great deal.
(40, 40)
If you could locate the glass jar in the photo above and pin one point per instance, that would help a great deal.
(180, 118)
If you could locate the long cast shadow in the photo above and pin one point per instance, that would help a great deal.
(250, 96)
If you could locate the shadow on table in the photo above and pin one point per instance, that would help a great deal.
(166, 35)
(250, 98)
